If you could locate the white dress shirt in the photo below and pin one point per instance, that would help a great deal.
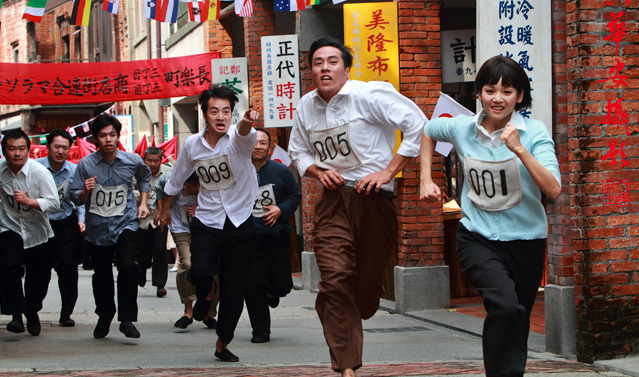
(229, 163)
(37, 183)
(372, 111)
(493, 140)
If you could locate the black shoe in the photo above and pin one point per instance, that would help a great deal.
(33, 324)
(66, 321)
(183, 322)
(226, 355)
(273, 301)
(260, 338)
(210, 322)
(161, 292)
(142, 277)
(102, 328)
(201, 309)
(128, 329)
(16, 325)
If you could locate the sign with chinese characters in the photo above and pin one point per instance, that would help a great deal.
(126, 134)
(280, 79)
(233, 72)
(458, 55)
(371, 31)
(520, 29)
(73, 83)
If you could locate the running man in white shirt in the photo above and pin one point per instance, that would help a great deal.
(343, 135)
(222, 231)
(28, 194)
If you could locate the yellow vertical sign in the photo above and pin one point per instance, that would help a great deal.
(370, 29)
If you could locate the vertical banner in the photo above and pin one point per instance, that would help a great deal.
(522, 31)
(126, 134)
(458, 56)
(371, 31)
(280, 79)
(233, 72)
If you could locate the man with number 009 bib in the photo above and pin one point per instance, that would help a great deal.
(103, 182)
(222, 230)
(343, 135)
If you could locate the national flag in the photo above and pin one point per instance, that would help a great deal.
(111, 6)
(280, 155)
(81, 12)
(338, 1)
(150, 8)
(0, 3)
(34, 10)
(72, 131)
(198, 11)
(290, 5)
(447, 107)
(85, 127)
(214, 9)
(167, 11)
(244, 8)
(312, 2)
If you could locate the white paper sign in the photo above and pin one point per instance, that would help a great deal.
(233, 72)
(280, 79)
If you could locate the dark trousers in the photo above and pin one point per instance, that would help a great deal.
(37, 260)
(354, 237)
(103, 290)
(507, 275)
(152, 254)
(224, 252)
(67, 253)
(270, 273)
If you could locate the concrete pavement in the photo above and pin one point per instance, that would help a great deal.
(427, 343)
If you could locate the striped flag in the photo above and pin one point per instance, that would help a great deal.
(0, 3)
(289, 5)
(34, 10)
(150, 7)
(167, 11)
(244, 8)
(312, 2)
(111, 6)
(198, 11)
(81, 12)
(214, 10)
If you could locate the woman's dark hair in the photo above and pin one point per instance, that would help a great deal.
(510, 73)
(105, 120)
(217, 91)
(347, 56)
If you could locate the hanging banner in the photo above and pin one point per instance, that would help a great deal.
(280, 79)
(233, 72)
(73, 83)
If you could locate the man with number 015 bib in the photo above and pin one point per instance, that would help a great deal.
(28, 193)
(343, 135)
(103, 181)
(222, 230)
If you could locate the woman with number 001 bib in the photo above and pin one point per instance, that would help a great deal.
(508, 161)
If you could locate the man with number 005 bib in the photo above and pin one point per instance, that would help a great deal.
(103, 181)
(222, 231)
(343, 135)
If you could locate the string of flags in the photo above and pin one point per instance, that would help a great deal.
(165, 10)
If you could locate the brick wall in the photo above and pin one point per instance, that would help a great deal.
(604, 237)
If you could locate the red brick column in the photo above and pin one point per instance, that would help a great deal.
(604, 237)
(261, 24)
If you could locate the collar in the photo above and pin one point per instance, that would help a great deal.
(118, 156)
(24, 170)
(515, 119)
(47, 164)
(346, 90)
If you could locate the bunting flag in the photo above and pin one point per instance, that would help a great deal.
(150, 7)
(85, 127)
(111, 6)
(34, 10)
(338, 1)
(0, 3)
(81, 12)
(290, 5)
(214, 10)
(167, 11)
(142, 146)
(244, 8)
(198, 11)
(312, 2)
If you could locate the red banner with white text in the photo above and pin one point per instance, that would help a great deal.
(71, 83)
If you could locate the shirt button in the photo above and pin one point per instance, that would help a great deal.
(494, 235)
(495, 216)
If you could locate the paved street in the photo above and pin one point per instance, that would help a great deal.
(435, 342)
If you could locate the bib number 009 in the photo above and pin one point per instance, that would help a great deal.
(214, 173)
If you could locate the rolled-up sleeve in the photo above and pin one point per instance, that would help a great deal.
(49, 201)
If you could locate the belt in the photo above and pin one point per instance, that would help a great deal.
(383, 193)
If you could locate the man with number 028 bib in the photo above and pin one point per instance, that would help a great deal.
(103, 182)
(222, 230)
(343, 135)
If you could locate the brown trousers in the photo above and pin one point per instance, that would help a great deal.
(354, 236)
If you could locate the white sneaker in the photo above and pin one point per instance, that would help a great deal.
(174, 269)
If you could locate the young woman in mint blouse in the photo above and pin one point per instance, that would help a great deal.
(508, 161)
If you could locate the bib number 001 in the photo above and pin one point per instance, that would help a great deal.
(494, 185)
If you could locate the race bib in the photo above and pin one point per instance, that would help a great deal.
(265, 198)
(63, 188)
(333, 149)
(494, 185)
(11, 205)
(151, 202)
(109, 201)
(215, 174)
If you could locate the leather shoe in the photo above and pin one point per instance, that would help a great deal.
(128, 329)
(33, 324)
(102, 328)
(273, 301)
(260, 338)
(161, 292)
(183, 322)
(66, 321)
(16, 326)
(200, 309)
(210, 322)
(226, 355)
(142, 277)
